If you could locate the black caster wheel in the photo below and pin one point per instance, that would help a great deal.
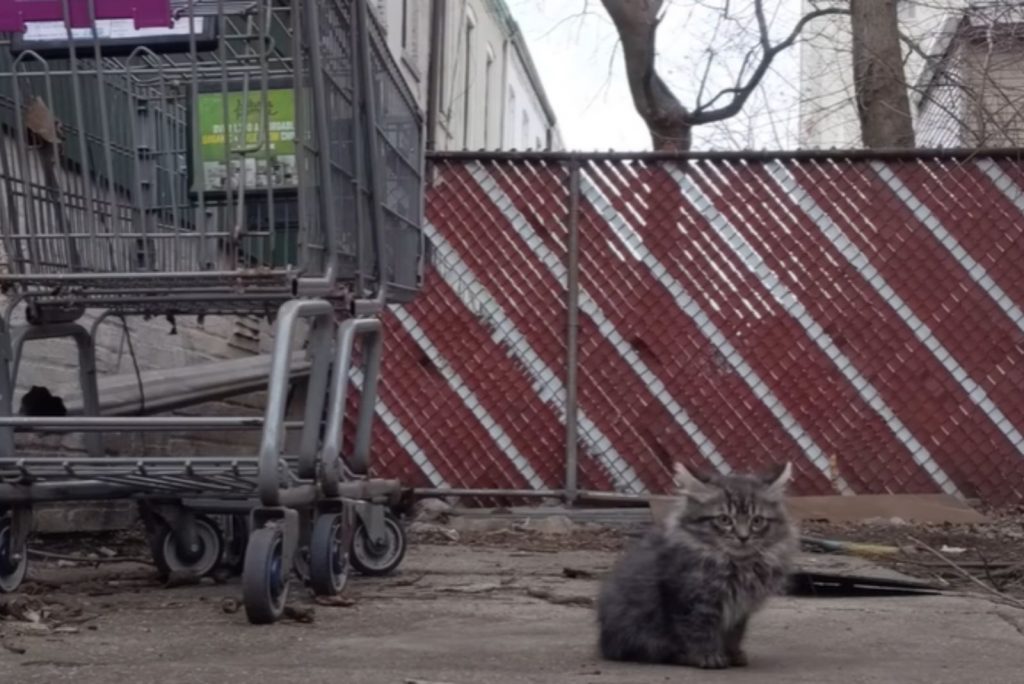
(206, 557)
(264, 577)
(13, 562)
(329, 555)
(378, 560)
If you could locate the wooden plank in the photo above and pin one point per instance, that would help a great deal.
(915, 508)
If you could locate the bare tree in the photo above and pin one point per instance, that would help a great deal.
(883, 106)
(669, 121)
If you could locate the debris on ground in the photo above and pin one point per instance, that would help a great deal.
(431, 511)
(230, 605)
(181, 578)
(30, 613)
(956, 555)
(577, 573)
(432, 532)
(334, 601)
(560, 599)
(301, 614)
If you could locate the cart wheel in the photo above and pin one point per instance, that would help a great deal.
(13, 562)
(329, 555)
(377, 560)
(211, 546)
(264, 577)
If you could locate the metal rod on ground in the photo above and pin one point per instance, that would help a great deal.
(615, 498)
(117, 423)
(525, 493)
(571, 338)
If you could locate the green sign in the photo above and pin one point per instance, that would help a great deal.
(266, 158)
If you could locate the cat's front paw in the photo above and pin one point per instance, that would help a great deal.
(710, 661)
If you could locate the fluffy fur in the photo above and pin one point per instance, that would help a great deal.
(683, 595)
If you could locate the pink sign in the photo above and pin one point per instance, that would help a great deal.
(146, 13)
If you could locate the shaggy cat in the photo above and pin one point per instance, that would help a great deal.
(684, 594)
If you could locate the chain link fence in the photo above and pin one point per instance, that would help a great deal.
(589, 319)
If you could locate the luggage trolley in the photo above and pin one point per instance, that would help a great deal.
(210, 157)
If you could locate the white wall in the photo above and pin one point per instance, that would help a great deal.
(484, 106)
(526, 127)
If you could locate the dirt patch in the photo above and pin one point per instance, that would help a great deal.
(586, 538)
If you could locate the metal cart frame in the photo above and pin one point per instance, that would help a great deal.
(96, 215)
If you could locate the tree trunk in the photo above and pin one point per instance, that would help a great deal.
(880, 85)
(666, 118)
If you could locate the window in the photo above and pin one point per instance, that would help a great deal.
(526, 129)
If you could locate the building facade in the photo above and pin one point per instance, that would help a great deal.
(972, 95)
(468, 63)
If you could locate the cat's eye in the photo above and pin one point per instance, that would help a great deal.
(724, 520)
(758, 521)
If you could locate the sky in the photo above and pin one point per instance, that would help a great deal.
(577, 56)
(582, 73)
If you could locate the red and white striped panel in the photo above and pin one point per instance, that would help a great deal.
(862, 318)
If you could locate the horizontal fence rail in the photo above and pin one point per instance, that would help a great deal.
(589, 319)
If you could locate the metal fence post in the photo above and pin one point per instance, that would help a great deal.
(571, 337)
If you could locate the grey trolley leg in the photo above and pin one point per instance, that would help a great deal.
(275, 522)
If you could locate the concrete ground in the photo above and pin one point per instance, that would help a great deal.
(471, 615)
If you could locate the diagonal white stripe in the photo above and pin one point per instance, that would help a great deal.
(715, 336)
(788, 299)
(590, 307)
(1003, 182)
(924, 334)
(403, 436)
(974, 269)
(469, 398)
(548, 386)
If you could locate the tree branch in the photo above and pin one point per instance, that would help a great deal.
(762, 26)
(742, 91)
(668, 120)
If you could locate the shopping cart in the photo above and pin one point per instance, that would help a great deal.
(210, 157)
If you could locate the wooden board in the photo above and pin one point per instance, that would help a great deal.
(915, 508)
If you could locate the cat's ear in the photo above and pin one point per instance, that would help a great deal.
(688, 483)
(777, 484)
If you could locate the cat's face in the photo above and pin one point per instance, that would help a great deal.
(738, 515)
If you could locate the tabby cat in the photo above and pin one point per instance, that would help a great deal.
(684, 594)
